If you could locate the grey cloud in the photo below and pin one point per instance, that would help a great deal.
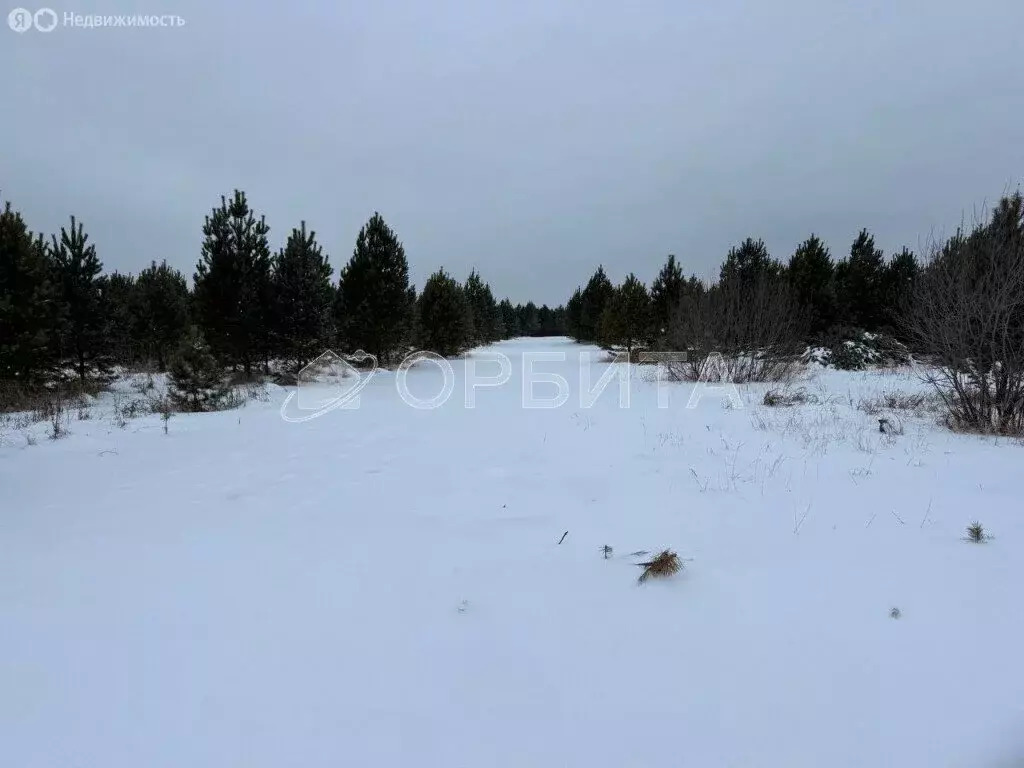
(532, 140)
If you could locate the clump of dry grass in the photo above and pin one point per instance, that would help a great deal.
(916, 403)
(666, 563)
(778, 398)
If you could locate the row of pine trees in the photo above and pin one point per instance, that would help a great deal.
(247, 305)
(863, 291)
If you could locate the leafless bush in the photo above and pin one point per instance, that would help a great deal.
(143, 384)
(785, 397)
(968, 321)
(16, 421)
(257, 391)
(58, 418)
(163, 406)
(738, 331)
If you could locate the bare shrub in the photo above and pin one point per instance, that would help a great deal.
(257, 391)
(163, 406)
(967, 319)
(58, 418)
(785, 397)
(143, 384)
(665, 564)
(738, 330)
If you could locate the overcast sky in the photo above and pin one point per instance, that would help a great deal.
(532, 139)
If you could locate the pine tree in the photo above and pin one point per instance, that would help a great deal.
(811, 274)
(232, 283)
(558, 327)
(117, 300)
(160, 311)
(485, 310)
(28, 301)
(594, 299)
(510, 319)
(374, 292)
(197, 381)
(574, 315)
(77, 269)
(529, 318)
(412, 333)
(859, 284)
(898, 284)
(303, 297)
(666, 294)
(747, 264)
(444, 316)
(627, 318)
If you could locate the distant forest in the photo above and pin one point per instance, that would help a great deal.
(959, 306)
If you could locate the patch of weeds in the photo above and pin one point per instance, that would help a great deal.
(607, 551)
(58, 426)
(786, 398)
(895, 613)
(665, 564)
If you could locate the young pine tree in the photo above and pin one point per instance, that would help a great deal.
(529, 318)
(444, 316)
(666, 293)
(627, 318)
(28, 301)
(593, 300)
(509, 319)
(160, 312)
(232, 283)
(374, 292)
(303, 313)
(485, 310)
(898, 285)
(859, 284)
(77, 269)
(574, 315)
(811, 274)
(117, 294)
(748, 264)
(197, 381)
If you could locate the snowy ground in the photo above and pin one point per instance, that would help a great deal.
(383, 586)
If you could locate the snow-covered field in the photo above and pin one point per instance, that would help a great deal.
(383, 586)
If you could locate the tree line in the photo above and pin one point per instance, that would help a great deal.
(825, 297)
(959, 309)
(246, 307)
